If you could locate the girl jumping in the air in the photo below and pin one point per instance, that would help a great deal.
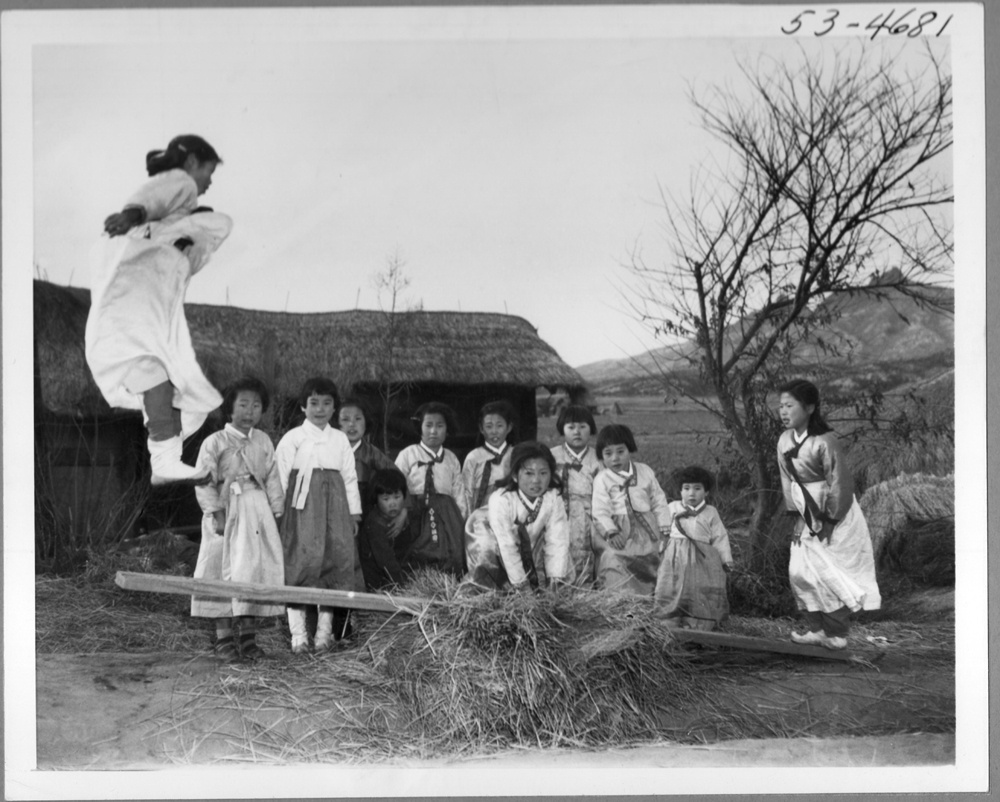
(137, 342)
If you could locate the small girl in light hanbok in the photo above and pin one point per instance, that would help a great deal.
(528, 519)
(832, 567)
(485, 468)
(435, 536)
(138, 345)
(631, 516)
(691, 584)
(322, 512)
(239, 535)
(576, 465)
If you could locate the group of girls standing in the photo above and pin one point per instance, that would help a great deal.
(519, 516)
(524, 516)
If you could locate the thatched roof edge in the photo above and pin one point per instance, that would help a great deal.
(462, 348)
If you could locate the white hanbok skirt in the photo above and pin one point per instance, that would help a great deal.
(137, 335)
(839, 572)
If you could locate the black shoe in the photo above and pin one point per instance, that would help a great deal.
(225, 649)
(249, 649)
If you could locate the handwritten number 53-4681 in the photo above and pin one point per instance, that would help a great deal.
(906, 22)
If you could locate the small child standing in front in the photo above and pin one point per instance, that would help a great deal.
(377, 538)
(577, 464)
(239, 535)
(485, 468)
(436, 534)
(528, 520)
(138, 346)
(322, 511)
(691, 584)
(631, 516)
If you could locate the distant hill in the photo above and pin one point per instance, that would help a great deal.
(893, 339)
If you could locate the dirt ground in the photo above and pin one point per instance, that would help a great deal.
(115, 710)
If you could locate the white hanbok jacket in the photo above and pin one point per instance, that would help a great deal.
(548, 535)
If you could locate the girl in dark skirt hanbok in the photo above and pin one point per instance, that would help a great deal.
(239, 535)
(322, 511)
(630, 516)
(691, 584)
(435, 536)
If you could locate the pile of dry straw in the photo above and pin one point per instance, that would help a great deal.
(473, 673)
(912, 521)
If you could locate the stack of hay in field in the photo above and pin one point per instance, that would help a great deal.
(912, 523)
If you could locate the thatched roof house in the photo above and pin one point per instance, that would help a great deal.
(461, 358)
(464, 359)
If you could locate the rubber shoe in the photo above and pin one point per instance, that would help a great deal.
(324, 631)
(297, 626)
(834, 642)
(225, 649)
(166, 466)
(809, 638)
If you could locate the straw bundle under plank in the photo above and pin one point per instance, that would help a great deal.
(488, 673)
(476, 673)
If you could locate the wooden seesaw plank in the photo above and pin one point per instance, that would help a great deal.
(752, 644)
(383, 603)
(274, 594)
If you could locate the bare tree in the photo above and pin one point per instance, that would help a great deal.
(836, 185)
(390, 285)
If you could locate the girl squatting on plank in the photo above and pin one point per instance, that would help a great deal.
(137, 342)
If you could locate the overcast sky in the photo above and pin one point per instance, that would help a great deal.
(508, 172)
